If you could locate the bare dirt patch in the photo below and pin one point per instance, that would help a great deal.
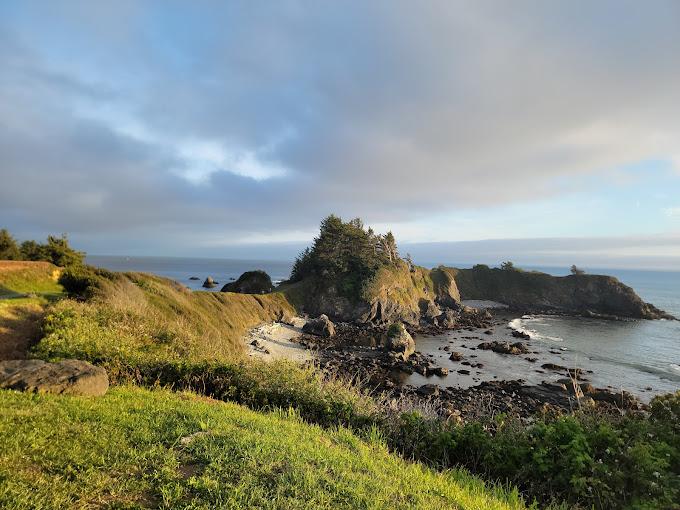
(19, 329)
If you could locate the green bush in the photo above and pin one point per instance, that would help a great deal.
(9, 250)
(82, 281)
(585, 459)
(57, 250)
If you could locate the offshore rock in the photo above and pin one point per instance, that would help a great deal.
(251, 282)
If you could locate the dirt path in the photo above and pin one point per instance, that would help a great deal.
(19, 329)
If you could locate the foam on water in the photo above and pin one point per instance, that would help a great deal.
(522, 325)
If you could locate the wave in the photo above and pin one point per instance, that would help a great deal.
(521, 326)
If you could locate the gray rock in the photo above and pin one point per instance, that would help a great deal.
(428, 390)
(68, 377)
(400, 341)
(321, 326)
(504, 347)
(456, 356)
(209, 283)
(440, 371)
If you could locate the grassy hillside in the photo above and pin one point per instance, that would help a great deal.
(136, 448)
(25, 289)
(17, 279)
(138, 316)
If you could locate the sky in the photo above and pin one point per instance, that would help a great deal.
(545, 132)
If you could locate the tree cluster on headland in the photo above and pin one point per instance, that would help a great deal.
(55, 250)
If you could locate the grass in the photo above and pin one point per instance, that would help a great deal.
(142, 317)
(136, 448)
(25, 290)
(19, 279)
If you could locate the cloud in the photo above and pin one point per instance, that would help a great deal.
(234, 121)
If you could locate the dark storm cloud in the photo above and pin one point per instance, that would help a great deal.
(211, 122)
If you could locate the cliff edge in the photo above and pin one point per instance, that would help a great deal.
(532, 291)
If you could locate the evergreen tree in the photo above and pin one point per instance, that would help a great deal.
(8, 246)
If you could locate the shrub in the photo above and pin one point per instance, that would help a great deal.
(57, 250)
(83, 281)
(8, 246)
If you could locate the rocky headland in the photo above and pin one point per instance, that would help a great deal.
(535, 292)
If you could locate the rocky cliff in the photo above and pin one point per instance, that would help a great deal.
(396, 293)
(531, 291)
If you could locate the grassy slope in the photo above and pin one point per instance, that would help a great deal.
(20, 278)
(25, 289)
(124, 450)
(144, 317)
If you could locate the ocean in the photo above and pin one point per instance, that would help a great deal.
(639, 356)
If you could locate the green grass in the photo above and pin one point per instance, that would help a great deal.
(125, 450)
(19, 279)
(141, 317)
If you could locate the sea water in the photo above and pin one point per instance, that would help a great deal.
(639, 356)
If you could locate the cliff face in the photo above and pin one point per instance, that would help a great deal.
(574, 294)
(395, 293)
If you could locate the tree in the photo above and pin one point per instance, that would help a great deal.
(576, 271)
(346, 254)
(61, 254)
(388, 247)
(409, 262)
(9, 250)
(508, 266)
(30, 250)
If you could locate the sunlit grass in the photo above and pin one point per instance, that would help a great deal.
(126, 450)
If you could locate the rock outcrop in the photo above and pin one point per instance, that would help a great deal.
(400, 341)
(68, 377)
(397, 293)
(251, 282)
(532, 291)
(209, 283)
(504, 347)
(321, 326)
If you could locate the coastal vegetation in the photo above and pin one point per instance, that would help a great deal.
(346, 254)
(584, 458)
(56, 250)
(135, 448)
(350, 273)
(151, 332)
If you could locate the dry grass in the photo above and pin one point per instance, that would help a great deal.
(19, 327)
(150, 317)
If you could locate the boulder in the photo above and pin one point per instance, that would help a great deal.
(504, 347)
(68, 377)
(447, 319)
(456, 356)
(400, 341)
(429, 310)
(521, 334)
(428, 390)
(251, 282)
(209, 283)
(321, 326)
(440, 371)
